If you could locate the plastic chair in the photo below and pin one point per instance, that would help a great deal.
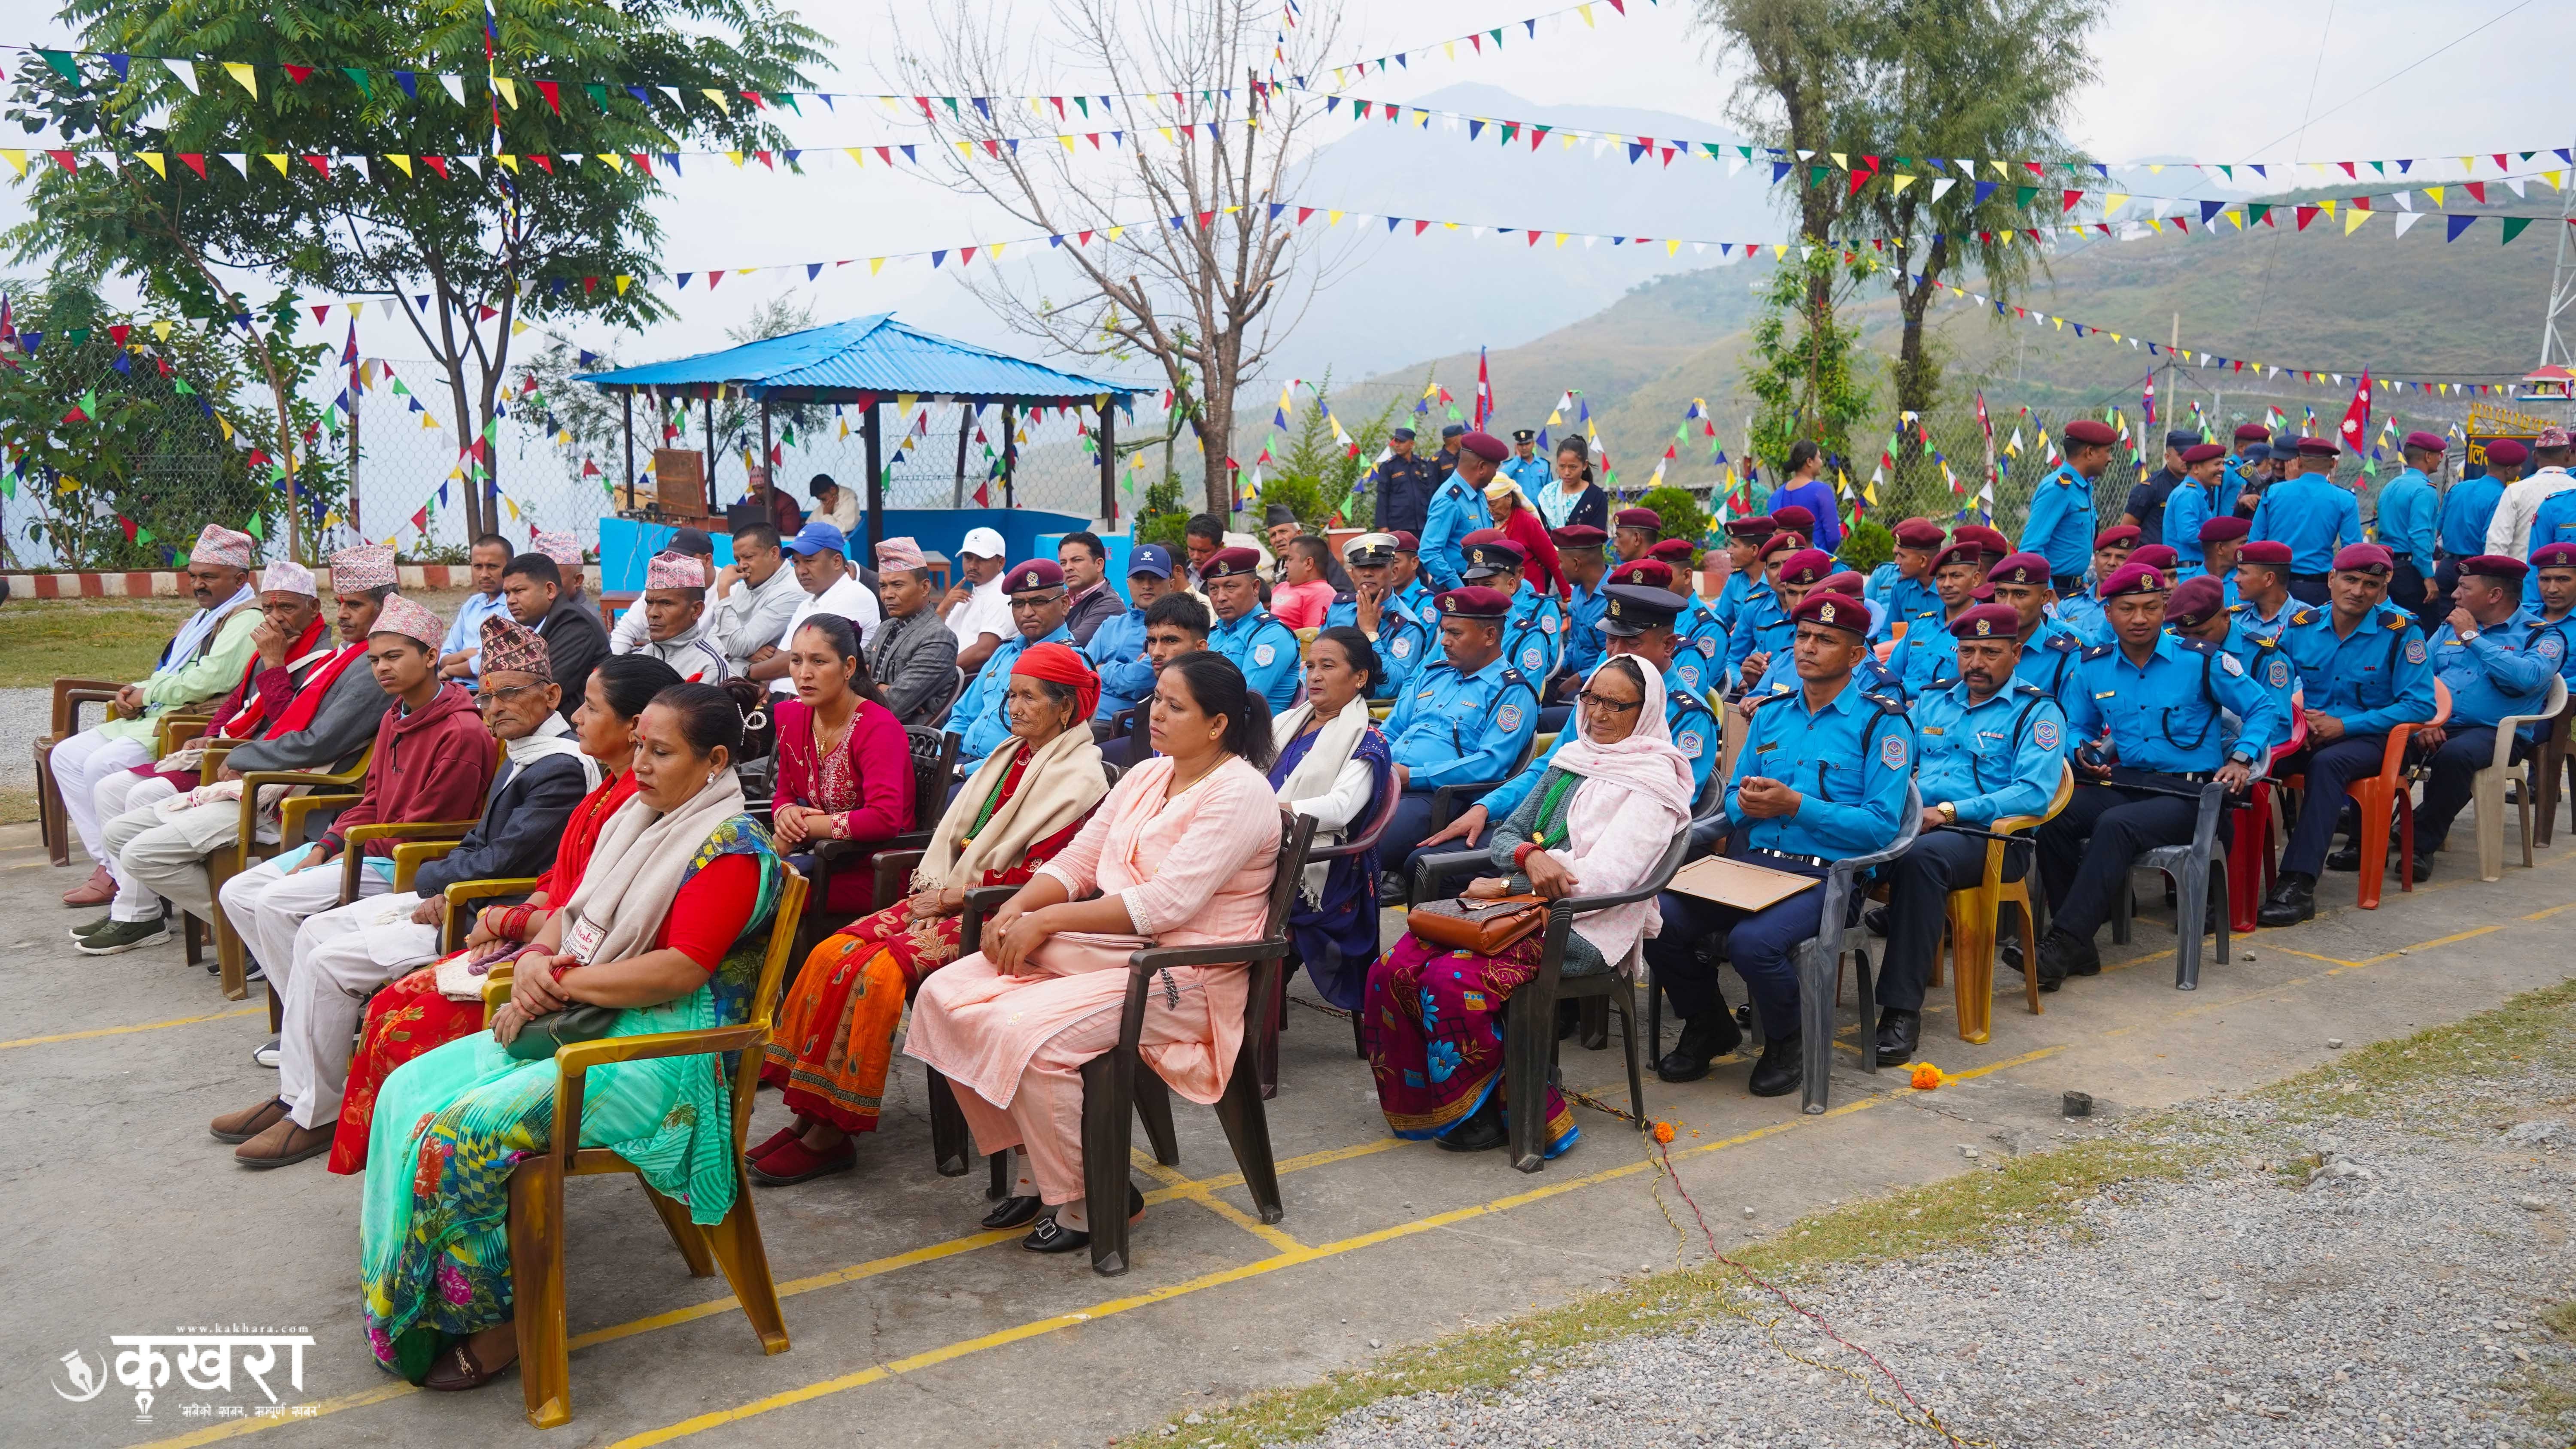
(52, 826)
(934, 760)
(1371, 832)
(1976, 920)
(1529, 1014)
(2554, 766)
(1117, 1082)
(1819, 961)
(2385, 795)
(2252, 833)
(2199, 901)
(537, 1187)
(2487, 786)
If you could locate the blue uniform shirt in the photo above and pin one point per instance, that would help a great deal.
(1903, 601)
(2267, 664)
(1265, 650)
(1849, 763)
(1456, 511)
(2501, 671)
(2293, 615)
(2002, 757)
(2060, 527)
(2084, 614)
(2311, 514)
(1761, 627)
(1730, 599)
(981, 713)
(1694, 732)
(2409, 511)
(1583, 641)
(1417, 599)
(2373, 679)
(1781, 675)
(2552, 639)
(1403, 492)
(1698, 632)
(2553, 522)
(1453, 728)
(2191, 506)
(1117, 655)
(1926, 653)
(2165, 717)
(1402, 641)
(1534, 635)
(2466, 511)
(1532, 473)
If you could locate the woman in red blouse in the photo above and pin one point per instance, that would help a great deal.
(844, 766)
(412, 1015)
(835, 1034)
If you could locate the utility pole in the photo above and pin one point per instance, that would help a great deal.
(2557, 343)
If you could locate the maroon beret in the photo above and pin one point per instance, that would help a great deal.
(2508, 452)
(1844, 582)
(1474, 602)
(1676, 549)
(1805, 567)
(1645, 518)
(2134, 578)
(2118, 534)
(2020, 568)
(1486, 446)
(1802, 520)
(1834, 611)
(1990, 540)
(2268, 551)
(1579, 535)
(1225, 563)
(1406, 542)
(2199, 453)
(2156, 556)
(2225, 528)
(2319, 448)
(1754, 529)
(1987, 621)
(2495, 566)
(2086, 430)
(1781, 544)
(2364, 558)
(1475, 536)
(2554, 556)
(1036, 574)
(1644, 571)
(2253, 433)
(2428, 442)
(1967, 551)
(2196, 601)
(1919, 533)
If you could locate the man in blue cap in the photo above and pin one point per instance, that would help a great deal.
(2059, 526)
(1117, 648)
(2196, 500)
(1369, 605)
(820, 556)
(1262, 647)
(1467, 717)
(1526, 467)
(2149, 498)
(1404, 483)
(1038, 603)
(2410, 518)
(2311, 513)
(2496, 661)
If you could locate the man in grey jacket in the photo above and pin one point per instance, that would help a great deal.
(913, 658)
(752, 598)
(160, 853)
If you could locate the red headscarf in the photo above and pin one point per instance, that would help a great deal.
(1057, 664)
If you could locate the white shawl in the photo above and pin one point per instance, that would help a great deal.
(1316, 773)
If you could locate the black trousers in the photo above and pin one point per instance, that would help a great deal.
(1919, 883)
(2120, 825)
(1762, 945)
(2308, 588)
(2407, 589)
(2329, 768)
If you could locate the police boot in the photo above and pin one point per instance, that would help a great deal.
(1876, 919)
(2345, 858)
(2423, 863)
(1704, 1039)
(2061, 956)
(1781, 1068)
(1898, 1030)
(2293, 900)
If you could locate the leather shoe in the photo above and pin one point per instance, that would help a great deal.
(2423, 864)
(1482, 1131)
(2293, 900)
(457, 1370)
(249, 1122)
(2346, 858)
(1704, 1039)
(1898, 1031)
(98, 890)
(1780, 1070)
(1012, 1212)
(796, 1162)
(2061, 956)
(1050, 1236)
(1876, 919)
(284, 1142)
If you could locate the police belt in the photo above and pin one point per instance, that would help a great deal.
(2399, 555)
(1814, 862)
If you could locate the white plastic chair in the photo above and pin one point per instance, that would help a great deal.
(2487, 788)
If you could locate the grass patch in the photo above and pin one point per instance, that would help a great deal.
(42, 640)
(1972, 1211)
(17, 804)
(2387, 1075)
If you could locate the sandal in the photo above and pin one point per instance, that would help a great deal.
(457, 1370)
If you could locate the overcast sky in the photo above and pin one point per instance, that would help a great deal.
(2280, 81)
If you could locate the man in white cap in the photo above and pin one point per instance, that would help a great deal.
(199, 663)
(913, 657)
(674, 610)
(2509, 532)
(975, 609)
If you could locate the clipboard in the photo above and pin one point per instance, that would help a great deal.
(1738, 884)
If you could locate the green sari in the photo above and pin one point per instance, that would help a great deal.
(435, 1240)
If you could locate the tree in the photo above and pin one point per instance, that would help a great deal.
(1175, 233)
(1313, 465)
(473, 217)
(1802, 364)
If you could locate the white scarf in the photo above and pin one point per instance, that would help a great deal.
(1316, 772)
(200, 626)
(553, 737)
(635, 870)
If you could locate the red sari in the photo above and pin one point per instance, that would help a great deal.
(412, 1016)
(835, 1036)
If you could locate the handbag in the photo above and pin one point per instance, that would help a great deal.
(543, 1036)
(1483, 927)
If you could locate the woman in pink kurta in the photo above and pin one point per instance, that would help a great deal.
(1181, 853)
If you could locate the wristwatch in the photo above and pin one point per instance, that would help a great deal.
(1949, 812)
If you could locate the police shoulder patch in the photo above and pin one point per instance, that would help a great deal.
(1689, 743)
(1400, 647)
(1508, 718)
(1707, 647)
(2228, 663)
(1891, 750)
(2414, 651)
(1547, 622)
(2279, 674)
(2547, 646)
(2045, 733)
(1262, 654)
(1533, 657)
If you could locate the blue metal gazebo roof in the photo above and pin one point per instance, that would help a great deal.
(865, 356)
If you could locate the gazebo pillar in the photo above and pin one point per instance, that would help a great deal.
(876, 482)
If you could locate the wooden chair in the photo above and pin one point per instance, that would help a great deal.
(934, 759)
(1117, 1082)
(537, 1187)
(1976, 920)
(2487, 787)
(69, 695)
(334, 791)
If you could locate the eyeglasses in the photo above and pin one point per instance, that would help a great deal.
(1606, 703)
(490, 696)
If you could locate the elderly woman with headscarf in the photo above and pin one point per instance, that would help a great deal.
(1519, 520)
(1334, 765)
(835, 1034)
(1596, 823)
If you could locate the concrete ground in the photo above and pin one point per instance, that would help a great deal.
(119, 1215)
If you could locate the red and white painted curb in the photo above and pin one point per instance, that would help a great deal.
(164, 584)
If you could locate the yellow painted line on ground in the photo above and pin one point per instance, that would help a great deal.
(98, 1031)
(2313, 956)
(1197, 1192)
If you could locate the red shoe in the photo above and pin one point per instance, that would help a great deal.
(778, 1139)
(97, 890)
(795, 1163)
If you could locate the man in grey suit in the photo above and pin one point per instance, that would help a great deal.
(913, 657)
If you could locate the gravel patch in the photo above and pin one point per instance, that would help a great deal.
(25, 715)
(2321, 1282)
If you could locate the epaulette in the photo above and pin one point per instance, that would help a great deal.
(2197, 646)
(1687, 701)
(2261, 641)
(2098, 651)
(2024, 686)
(2397, 618)
(1756, 701)
(1887, 703)
(2066, 641)
(1347, 596)
(2302, 616)
(2239, 607)
(1514, 676)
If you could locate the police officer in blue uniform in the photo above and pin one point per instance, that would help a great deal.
(2158, 700)
(1402, 642)
(2059, 527)
(1636, 621)
(1781, 675)
(1694, 667)
(2311, 513)
(1821, 777)
(2497, 661)
(2196, 500)
(2363, 671)
(1633, 531)
(1991, 746)
(1458, 508)
(1534, 635)
(1526, 468)
(2410, 518)
(2050, 650)
(1412, 595)
(1766, 630)
(1466, 718)
(1583, 552)
(1902, 587)
(1404, 483)
(2467, 510)
(2263, 602)
(2221, 539)
(1927, 652)
(2197, 609)
(2553, 622)
(1259, 645)
(1117, 648)
(1038, 605)
(1744, 540)
(2083, 612)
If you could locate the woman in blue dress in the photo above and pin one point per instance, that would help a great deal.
(1333, 765)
